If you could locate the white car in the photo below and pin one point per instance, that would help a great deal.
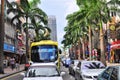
(43, 71)
(89, 70)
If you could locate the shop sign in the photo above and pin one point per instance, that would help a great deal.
(9, 48)
(115, 45)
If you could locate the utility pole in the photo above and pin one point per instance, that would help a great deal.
(2, 36)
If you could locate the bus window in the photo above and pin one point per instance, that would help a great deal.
(44, 53)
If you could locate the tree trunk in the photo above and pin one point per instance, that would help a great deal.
(102, 45)
(27, 38)
(83, 49)
(83, 46)
(90, 41)
(27, 47)
(2, 37)
(79, 54)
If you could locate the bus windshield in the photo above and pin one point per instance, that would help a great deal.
(44, 53)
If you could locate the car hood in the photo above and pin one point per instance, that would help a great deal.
(43, 78)
(92, 72)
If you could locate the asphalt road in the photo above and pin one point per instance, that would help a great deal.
(18, 76)
(66, 76)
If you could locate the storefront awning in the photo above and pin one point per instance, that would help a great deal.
(115, 45)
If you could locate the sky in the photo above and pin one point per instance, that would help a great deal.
(59, 8)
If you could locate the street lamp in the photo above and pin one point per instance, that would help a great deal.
(2, 36)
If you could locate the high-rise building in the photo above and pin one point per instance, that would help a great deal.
(53, 27)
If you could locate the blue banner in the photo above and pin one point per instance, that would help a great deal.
(9, 48)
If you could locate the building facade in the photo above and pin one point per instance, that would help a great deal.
(52, 25)
(14, 36)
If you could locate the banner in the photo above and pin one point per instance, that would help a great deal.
(115, 45)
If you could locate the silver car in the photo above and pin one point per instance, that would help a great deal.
(43, 71)
(88, 70)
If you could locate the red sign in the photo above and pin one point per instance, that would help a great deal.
(115, 45)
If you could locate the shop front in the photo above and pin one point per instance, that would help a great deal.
(9, 50)
(115, 51)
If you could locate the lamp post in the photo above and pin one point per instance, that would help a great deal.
(2, 37)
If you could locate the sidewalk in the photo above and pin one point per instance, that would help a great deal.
(8, 71)
(112, 64)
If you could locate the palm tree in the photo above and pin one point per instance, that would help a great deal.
(92, 14)
(26, 11)
(101, 16)
(74, 29)
(80, 18)
(42, 32)
(2, 37)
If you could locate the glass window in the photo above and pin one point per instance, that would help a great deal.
(107, 73)
(42, 72)
(79, 64)
(114, 75)
(44, 53)
(92, 65)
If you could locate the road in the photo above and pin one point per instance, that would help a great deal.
(66, 76)
(18, 76)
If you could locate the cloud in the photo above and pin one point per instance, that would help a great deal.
(59, 8)
(71, 7)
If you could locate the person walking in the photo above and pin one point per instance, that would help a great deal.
(17, 65)
(5, 62)
(12, 63)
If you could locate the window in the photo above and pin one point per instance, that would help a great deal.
(92, 65)
(114, 75)
(42, 71)
(44, 53)
(107, 73)
(79, 64)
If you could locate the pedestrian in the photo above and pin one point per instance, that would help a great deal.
(5, 62)
(12, 63)
(112, 56)
(17, 65)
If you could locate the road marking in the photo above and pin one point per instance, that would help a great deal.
(11, 76)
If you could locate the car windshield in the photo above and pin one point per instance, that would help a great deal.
(44, 53)
(92, 65)
(42, 72)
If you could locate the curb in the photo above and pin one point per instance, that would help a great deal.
(6, 75)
